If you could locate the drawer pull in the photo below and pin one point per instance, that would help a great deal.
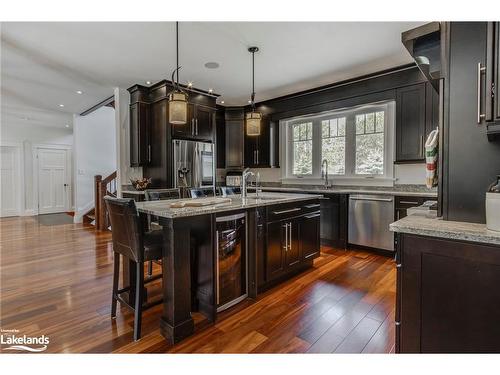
(312, 205)
(397, 323)
(286, 211)
(408, 202)
(312, 216)
(399, 265)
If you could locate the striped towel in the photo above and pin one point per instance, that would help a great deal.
(431, 155)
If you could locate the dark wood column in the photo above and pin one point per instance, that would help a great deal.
(176, 322)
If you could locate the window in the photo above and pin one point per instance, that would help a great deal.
(302, 148)
(357, 143)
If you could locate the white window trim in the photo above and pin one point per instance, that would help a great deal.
(286, 152)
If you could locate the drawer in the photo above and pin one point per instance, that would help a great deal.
(407, 202)
(290, 210)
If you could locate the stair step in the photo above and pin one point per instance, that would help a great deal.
(91, 216)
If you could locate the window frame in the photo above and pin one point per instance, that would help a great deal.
(350, 177)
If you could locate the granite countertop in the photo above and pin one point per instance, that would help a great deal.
(427, 224)
(404, 190)
(162, 208)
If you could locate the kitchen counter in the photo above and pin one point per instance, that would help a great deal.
(134, 192)
(163, 209)
(427, 224)
(410, 191)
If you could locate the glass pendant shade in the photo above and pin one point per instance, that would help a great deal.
(253, 123)
(177, 108)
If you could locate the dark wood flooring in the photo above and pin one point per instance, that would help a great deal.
(56, 280)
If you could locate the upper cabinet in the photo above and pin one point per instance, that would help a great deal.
(140, 147)
(234, 130)
(492, 70)
(199, 125)
(258, 148)
(410, 123)
(417, 114)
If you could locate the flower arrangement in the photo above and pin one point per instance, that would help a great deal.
(140, 183)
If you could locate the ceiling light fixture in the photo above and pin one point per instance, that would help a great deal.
(61, 105)
(148, 82)
(210, 91)
(253, 118)
(79, 92)
(222, 102)
(177, 99)
(67, 125)
(190, 84)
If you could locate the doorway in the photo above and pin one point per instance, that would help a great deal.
(10, 176)
(53, 174)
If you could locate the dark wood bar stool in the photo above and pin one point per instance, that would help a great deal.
(131, 242)
(158, 195)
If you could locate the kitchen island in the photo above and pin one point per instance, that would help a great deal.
(282, 239)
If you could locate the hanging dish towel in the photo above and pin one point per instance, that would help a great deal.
(431, 154)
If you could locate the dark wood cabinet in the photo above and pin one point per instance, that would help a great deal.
(402, 204)
(410, 123)
(199, 125)
(220, 137)
(310, 235)
(234, 128)
(445, 302)
(334, 220)
(492, 82)
(293, 240)
(275, 253)
(258, 148)
(468, 164)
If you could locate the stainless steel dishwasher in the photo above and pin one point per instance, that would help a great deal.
(369, 219)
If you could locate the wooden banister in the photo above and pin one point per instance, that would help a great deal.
(103, 187)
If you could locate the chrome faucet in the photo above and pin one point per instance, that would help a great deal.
(247, 172)
(324, 171)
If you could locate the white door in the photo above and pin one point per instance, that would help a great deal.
(10, 173)
(52, 181)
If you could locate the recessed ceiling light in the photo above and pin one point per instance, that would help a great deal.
(210, 91)
(79, 92)
(222, 102)
(61, 105)
(211, 65)
(249, 101)
(148, 82)
(190, 84)
(67, 125)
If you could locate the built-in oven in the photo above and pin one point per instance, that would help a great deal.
(232, 260)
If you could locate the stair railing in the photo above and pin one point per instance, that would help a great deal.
(103, 187)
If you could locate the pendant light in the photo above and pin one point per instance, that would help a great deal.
(177, 99)
(253, 118)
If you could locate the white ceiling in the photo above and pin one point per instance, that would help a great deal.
(44, 64)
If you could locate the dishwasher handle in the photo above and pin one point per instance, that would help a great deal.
(371, 199)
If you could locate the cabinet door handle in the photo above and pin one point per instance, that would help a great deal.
(290, 234)
(192, 126)
(149, 153)
(286, 211)
(196, 122)
(286, 235)
(422, 146)
(480, 71)
(254, 156)
(399, 265)
(257, 156)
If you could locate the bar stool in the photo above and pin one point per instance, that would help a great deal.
(131, 242)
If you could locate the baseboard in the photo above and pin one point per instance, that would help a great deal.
(28, 213)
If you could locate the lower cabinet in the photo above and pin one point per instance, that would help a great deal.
(310, 235)
(447, 299)
(292, 240)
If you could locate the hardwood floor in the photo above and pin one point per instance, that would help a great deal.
(56, 281)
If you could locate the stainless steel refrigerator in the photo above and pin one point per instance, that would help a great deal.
(194, 165)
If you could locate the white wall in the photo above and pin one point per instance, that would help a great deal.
(30, 135)
(94, 154)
